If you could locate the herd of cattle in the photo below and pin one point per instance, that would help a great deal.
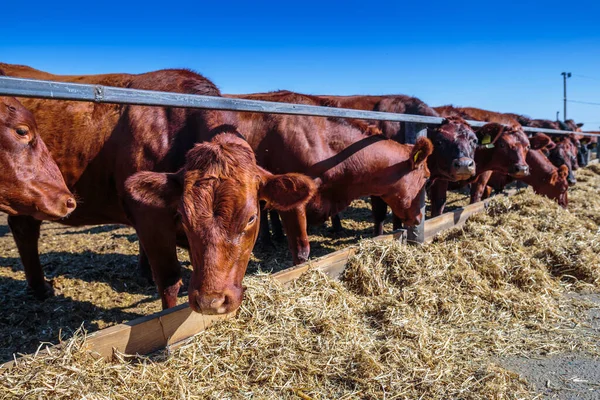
(199, 178)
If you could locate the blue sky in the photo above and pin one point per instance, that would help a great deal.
(503, 56)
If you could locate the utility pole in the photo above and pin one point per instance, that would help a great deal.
(565, 76)
(558, 112)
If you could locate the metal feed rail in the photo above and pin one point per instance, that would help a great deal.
(20, 87)
(415, 124)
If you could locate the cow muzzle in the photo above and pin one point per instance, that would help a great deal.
(416, 220)
(216, 303)
(519, 170)
(462, 168)
(53, 209)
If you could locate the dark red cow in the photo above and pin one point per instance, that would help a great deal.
(553, 188)
(562, 153)
(454, 141)
(30, 182)
(163, 171)
(545, 178)
(502, 148)
(565, 150)
(348, 164)
(583, 149)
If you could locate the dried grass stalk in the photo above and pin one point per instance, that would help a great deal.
(404, 322)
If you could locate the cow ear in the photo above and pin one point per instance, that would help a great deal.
(539, 141)
(488, 134)
(287, 191)
(420, 151)
(155, 189)
(553, 178)
(563, 171)
(579, 125)
(550, 146)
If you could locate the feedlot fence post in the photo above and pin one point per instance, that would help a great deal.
(416, 234)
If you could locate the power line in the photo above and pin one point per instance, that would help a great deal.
(584, 102)
(586, 77)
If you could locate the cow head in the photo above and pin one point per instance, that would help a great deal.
(216, 196)
(30, 181)
(401, 186)
(546, 179)
(454, 144)
(504, 149)
(555, 186)
(563, 154)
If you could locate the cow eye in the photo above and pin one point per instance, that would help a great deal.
(252, 219)
(22, 131)
(527, 148)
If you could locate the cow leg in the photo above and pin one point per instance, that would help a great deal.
(278, 234)
(26, 232)
(156, 231)
(336, 223)
(294, 223)
(144, 269)
(379, 210)
(487, 193)
(437, 196)
(478, 187)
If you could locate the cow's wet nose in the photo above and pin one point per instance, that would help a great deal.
(416, 220)
(216, 303)
(212, 304)
(519, 171)
(463, 167)
(71, 204)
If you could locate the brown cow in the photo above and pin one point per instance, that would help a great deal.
(162, 171)
(348, 164)
(545, 178)
(582, 149)
(454, 141)
(562, 153)
(503, 148)
(30, 182)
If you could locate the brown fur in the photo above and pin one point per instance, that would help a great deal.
(507, 156)
(347, 163)
(454, 141)
(30, 183)
(142, 166)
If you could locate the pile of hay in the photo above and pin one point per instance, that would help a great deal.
(404, 322)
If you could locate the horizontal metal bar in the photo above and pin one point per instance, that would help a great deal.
(20, 87)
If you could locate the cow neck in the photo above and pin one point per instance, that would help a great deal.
(541, 169)
(483, 159)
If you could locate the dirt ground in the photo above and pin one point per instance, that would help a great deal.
(564, 376)
(94, 273)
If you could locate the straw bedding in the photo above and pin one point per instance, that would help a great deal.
(404, 322)
(96, 282)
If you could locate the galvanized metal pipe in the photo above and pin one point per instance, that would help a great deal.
(20, 87)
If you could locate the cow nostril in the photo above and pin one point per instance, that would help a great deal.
(470, 163)
(71, 204)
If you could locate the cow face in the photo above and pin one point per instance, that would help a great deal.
(562, 154)
(555, 186)
(402, 193)
(506, 149)
(454, 144)
(216, 197)
(30, 181)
